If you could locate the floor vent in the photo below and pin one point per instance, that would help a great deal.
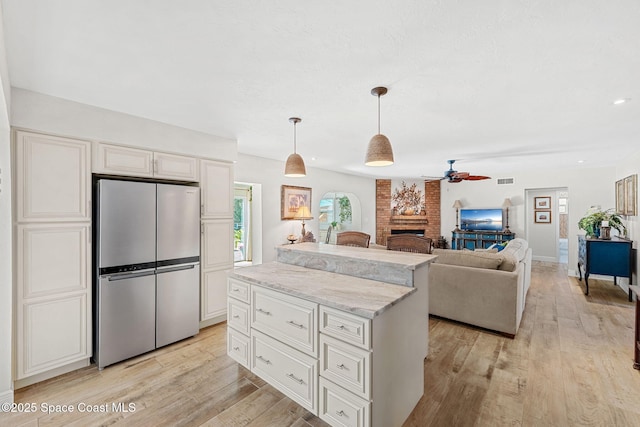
(504, 181)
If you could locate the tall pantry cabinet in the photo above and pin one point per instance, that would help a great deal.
(52, 229)
(216, 186)
(52, 241)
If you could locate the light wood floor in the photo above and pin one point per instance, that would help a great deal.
(569, 365)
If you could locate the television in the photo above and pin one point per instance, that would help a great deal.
(481, 219)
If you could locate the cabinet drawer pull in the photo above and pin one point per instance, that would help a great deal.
(343, 328)
(293, 377)
(235, 316)
(268, 313)
(267, 361)
(341, 366)
(236, 348)
(236, 289)
(297, 325)
(341, 413)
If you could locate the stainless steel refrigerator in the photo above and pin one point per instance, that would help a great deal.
(146, 289)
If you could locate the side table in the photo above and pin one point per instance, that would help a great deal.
(636, 341)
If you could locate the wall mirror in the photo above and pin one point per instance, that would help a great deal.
(341, 211)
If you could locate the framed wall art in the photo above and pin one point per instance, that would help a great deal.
(542, 202)
(543, 217)
(620, 197)
(631, 195)
(293, 198)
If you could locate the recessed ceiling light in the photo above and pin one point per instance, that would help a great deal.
(313, 159)
(621, 101)
(580, 161)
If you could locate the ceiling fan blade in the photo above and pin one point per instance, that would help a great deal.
(476, 177)
(461, 175)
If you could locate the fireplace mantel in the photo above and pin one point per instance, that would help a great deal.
(410, 218)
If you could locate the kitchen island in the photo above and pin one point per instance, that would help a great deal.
(349, 349)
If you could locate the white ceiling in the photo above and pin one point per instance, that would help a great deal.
(501, 85)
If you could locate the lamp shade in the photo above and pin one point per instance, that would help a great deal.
(507, 203)
(295, 166)
(379, 151)
(303, 212)
(457, 204)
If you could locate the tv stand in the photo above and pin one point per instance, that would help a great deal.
(472, 240)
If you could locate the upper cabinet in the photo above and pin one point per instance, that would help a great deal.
(118, 160)
(53, 178)
(216, 183)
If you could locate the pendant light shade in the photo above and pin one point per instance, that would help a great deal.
(379, 151)
(295, 165)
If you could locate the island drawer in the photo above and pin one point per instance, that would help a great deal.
(341, 408)
(238, 290)
(238, 347)
(346, 365)
(289, 319)
(238, 315)
(290, 371)
(345, 326)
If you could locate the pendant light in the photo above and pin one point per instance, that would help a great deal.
(379, 151)
(295, 164)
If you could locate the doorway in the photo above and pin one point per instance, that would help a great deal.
(547, 213)
(247, 224)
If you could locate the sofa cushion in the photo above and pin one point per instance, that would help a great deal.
(468, 258)
(517, 247)
(509, 262)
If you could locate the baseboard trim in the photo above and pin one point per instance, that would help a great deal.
(6, 396)
(17, 384)
(213, 321)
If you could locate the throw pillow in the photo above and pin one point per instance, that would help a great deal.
(509, 262)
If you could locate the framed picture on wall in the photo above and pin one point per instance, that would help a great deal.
(620, 197)
(631, 195)
(542, 202)
(293, 198)
(543, 217)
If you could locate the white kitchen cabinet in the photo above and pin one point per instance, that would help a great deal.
(52, 259)
(172, 166)
(52, 230)
(52, 178)
(127, 161)
(52, 332)
(217, 245)
(216, 184)
(216, 257)
(213, 297)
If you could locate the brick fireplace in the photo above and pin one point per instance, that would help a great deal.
(387, 224)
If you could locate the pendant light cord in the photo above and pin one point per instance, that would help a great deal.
(294, 138)
(378, 114)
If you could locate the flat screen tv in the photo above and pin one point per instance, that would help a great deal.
(481, 219)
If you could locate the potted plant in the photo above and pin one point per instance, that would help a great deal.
(592, 221)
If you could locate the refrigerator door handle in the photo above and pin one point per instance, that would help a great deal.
(123, 276)
(170, 269)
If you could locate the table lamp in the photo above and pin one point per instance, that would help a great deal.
(303, 213)
(457, 204)
(507, 204)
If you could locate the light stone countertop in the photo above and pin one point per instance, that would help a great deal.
(363, 297)
(407, 260)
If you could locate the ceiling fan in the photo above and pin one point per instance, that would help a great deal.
(455, 176)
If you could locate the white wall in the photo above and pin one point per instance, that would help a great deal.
(35, 111)
(631, 166)
(543, 237)
(586, 186)
(270, 174)
(6, 392)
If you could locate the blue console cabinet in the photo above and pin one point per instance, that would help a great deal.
(612, 257)
(478, 239)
